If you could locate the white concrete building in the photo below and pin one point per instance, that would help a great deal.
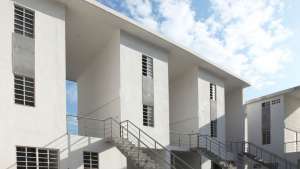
(157, 89)
(272, 123)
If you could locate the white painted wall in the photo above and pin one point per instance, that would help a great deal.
(184, 102)
(291, 121)
(254, 122)
(99, 85)
(235, 116)
(190, 102)
(204, 80)
(284, 114)
(33, 126)
(131, 50)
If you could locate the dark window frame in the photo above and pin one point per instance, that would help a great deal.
(24, 90)
(266, 123)
(90, 160)
(147, 66)
(148, 115)
(37, 158)
(24, 21)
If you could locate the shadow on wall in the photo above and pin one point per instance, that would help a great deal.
(186, 141)
(71, 148)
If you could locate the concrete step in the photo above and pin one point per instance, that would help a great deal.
(140, 158)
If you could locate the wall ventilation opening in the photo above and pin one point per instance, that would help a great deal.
(24, 90)
(148, 116)
(266, 123)
(90, 160)
(147, 66)
(36, 158)
(24, 21)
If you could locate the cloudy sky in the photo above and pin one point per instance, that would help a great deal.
(256, 39)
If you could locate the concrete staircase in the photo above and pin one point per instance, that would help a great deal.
(143, 151)
(263, 157)
(226, 164)
(139, 158)
(232, 155)
(204, 145)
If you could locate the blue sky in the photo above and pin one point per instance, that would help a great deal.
(257, 39)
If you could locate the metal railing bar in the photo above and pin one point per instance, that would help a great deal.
(157, 143)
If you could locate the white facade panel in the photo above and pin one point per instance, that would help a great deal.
(131, 50)
(39, 125)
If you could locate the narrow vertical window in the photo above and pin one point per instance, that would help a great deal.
(24, 90)
(213, 110)
(213, 128)
(266, 123)
(24, 21)
(148, 116)
(90, 160)
(147, 66)
(213, 92)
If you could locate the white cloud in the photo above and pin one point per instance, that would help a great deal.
(243, 35)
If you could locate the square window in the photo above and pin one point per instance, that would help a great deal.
(90, 160)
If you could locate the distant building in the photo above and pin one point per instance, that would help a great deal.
(273, 122)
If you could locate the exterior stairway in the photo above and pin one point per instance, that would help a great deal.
(207, 146)
(138, 157)
(230, 155)
(262, 157)
(143, 151)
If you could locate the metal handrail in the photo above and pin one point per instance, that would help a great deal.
(100, 107)
(138, 137)
(265, 155)
(156, 143)
(296, 133)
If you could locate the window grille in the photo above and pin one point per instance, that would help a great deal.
(213, 92)
(147, 66)
(24, 21)
(148, 116)
(266, 123)
(90, 160)
(276, 101)
(213, 128)
(36, 158)
(24, 90)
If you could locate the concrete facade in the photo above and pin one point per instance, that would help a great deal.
(284, 128)
(105, 59)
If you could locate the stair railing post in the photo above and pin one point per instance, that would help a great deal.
(111, 134)
(190, 143)
(121, 131)
(127, 129)
(209, 145)
(179, 140)
(139, 147)
(104, 128)
(198, 139)
(296, 142)
(219, 148)
(205, 142)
